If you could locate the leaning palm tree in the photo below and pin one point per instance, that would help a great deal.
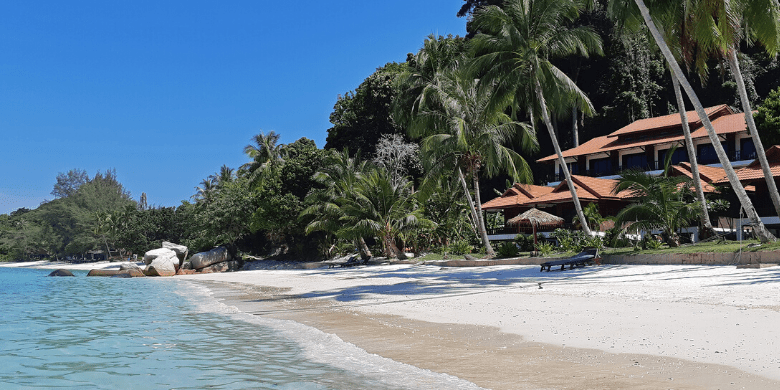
(621, 10)
(673, 24)
(726, 24)
(516, 45)
(462, 130)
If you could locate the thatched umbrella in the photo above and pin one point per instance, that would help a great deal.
(537, 219)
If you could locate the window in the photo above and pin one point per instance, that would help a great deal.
(600, 167)
(707, 153)
(680, 155)
(638, 161)
(747, 150)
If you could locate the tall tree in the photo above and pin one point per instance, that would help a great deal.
(69, 183)
(461, 126)
(516, 44)
(625, 12)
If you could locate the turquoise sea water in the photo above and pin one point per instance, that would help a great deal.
(154, 333)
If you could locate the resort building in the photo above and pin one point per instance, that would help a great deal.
(644, 144)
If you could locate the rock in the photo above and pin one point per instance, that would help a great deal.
(131, 273)
(469, 257)
(186, 265)
(219, 267)
(164, 262)
(205, 259)
(61, 272)
(153, 254)
(185, 271)
(181, 250)
(130, 266)
(153, 270)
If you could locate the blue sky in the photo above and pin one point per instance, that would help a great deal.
(166, 92)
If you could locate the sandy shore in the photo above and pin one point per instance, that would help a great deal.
(607, 327)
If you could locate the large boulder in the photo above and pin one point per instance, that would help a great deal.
(61, 272)
(130, 267)
(155, 253)
(164, 262)
(181, 250)
(205, 259)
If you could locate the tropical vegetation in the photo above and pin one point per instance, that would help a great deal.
(416, 148)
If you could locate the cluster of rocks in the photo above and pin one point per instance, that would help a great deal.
(172, 260)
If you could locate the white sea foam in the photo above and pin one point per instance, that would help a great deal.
(329, 349)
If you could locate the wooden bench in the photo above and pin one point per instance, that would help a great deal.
(587, 257)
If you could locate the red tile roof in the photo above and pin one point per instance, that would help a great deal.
(724, 124)
(516, 195)
(587, 188)
(753, 171)
(671, 120)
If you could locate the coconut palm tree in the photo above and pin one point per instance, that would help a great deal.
(464, 131)
(516, 45)
(624, 12)
(383, 209)
(661, 204)
(339, 177)
(264, 151)
(728, 23)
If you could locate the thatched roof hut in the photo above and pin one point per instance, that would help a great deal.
(536, 219)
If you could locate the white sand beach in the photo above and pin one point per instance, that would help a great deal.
(513, 327)
(595, 327)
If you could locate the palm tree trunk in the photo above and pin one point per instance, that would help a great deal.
(472, 208)
(763, 234)
(574, 197)
(365, 252)
(574, 131)
(743, 96)
(705, 217)
(482, 230)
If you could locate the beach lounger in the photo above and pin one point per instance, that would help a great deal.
(587, 257)
(351, 262)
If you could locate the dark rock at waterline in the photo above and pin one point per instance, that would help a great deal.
(61, 272)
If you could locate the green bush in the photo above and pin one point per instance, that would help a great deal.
(525, 242)
(570, 240)
(545, 248)
(459, 247)
(649, 242)
(508, 249)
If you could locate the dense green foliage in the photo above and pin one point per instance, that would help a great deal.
(413, 149)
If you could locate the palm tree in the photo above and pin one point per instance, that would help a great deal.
(463, 130)
(339, 177)
(623, 12)
(728, 23)
(383, 209)
(264, 152)
(517, 43)
(661, 202)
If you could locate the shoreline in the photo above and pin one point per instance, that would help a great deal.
(509, 327)
(494, 327)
